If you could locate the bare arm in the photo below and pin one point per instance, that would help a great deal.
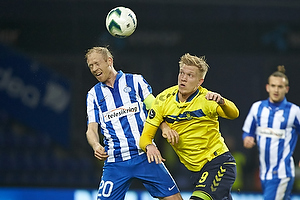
(93, 139)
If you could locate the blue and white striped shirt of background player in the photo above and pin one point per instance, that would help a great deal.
(121, 113)
(276, 127)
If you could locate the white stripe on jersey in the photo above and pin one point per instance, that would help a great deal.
(124, 111)
(275, 153)
(281, 188)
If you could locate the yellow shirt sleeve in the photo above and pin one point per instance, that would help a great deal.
(228, 110)
(147, 136)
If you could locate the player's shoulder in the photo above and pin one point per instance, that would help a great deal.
(166, 94)
(257, 103)
(294, 106)
(135, 75)
(169, 91)
(203, 91)
(94, 88)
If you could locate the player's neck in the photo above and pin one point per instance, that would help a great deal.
(111, 80)
(182, 97)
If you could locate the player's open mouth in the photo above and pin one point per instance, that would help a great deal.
(99, 74)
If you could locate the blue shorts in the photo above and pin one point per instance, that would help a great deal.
(215, 179)
(277, 188)
(117, 178)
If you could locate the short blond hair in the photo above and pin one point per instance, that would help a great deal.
(200, 62)
(104, 51)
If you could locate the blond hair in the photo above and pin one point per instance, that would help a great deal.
(101, 50)
(200, 62)
(280, 73)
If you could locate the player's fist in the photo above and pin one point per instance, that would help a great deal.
(100, 153)
(249, 142)
(213, 96)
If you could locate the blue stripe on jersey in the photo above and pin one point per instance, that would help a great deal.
(96, 110)
(118, 102)
(297, 125)
(128, 131)
(283, 125)
(253, 127)
(103, 106)
(292, 143)
(260, 108)
(140, 90)
(268, 140)
(286, 113)
(184, 116)
(132, 94)
(267, 154)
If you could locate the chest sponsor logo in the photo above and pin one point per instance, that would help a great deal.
(121, 111)
(271, 132)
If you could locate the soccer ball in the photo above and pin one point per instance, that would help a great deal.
(121, 22)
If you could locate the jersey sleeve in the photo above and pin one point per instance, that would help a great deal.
(144, 88)
(249, 126)
(155, 116)
(297, 119)
(92, 109)
(228, 110)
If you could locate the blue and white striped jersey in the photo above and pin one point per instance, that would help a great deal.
(276, 128)
(121, 114)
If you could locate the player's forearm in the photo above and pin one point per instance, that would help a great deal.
(228, 110)
(164, 126)
(93, 139)
(147, 135)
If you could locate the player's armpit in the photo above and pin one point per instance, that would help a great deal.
(147, 135)
(228, 110)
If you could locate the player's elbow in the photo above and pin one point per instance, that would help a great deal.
(234, 114)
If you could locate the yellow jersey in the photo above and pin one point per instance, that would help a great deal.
(196, 122)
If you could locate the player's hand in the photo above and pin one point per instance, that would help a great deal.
(100, 153)
(249, 142)
(171, 135)
(213, 96)
(153, 154)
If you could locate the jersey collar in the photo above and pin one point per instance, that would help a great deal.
(278, 104)
(190, 98)
(119, 74)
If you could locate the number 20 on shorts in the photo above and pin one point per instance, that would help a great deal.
(106, 188)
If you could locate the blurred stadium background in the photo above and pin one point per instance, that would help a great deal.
(44, 78)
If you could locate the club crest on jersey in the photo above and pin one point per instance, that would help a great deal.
(121, 112)
(127, 89)
(189, 116)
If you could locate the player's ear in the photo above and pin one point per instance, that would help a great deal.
(287, 88)
(267, 87)
(200, 82)
(110, 61)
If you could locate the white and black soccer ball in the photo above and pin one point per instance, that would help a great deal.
(121, 22)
